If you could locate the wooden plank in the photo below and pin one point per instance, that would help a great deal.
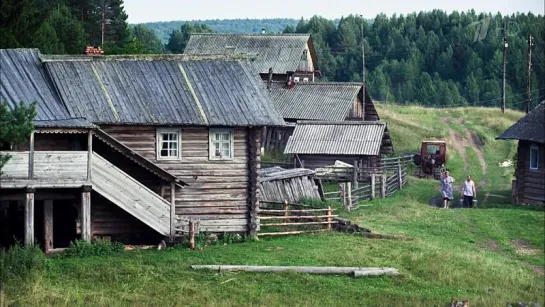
(31, 157)
(301, 223)
(293, 210)
(172, 208)
(54, 184)
(383, 187)
(262, 234)
(296, 217)
(86, 216)
(48, 225)
(89, 154)
(373, 186)
(29, 218)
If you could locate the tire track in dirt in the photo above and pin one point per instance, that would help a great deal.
(472, 140)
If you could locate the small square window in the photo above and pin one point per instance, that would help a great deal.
(169, 144)
(296, 79)
(534, 157)
(221, 144)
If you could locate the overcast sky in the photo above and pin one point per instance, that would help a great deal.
(167, 10)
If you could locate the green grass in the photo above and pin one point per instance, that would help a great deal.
(465, 254)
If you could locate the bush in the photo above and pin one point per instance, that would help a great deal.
(20, 262)
(80, 248)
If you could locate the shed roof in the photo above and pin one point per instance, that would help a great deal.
(329, 101)
(281, 52)
(23, 79)
(336, 138)
(162, 90)
(529, 128)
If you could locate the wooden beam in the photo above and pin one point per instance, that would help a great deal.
(86, 213)
(172, 208)
(253, 181)
(399, 178)
(89, 154)
(29, 217)
(39, 196)
(48, 225)
(383, 186)
(373, 185)
(31, 157)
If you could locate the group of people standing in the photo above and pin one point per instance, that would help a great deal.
(468, 190)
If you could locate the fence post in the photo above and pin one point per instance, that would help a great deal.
(399, 179)
(383, 186)
(349, 195)
(286, 212)
(328, 217)
(191, 234)
(373, 183)
(355, 181)
(342, 191)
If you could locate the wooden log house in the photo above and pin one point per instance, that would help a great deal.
(318, 101)
(278, 56)
(129, 148)
(316, 144)
(529, 185)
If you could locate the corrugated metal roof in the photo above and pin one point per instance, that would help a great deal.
(281, 52)
(336, 138)
(329, 101)
(529, 128)
(24, 79)
(162, 90)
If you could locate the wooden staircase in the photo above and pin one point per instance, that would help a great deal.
(130, 195)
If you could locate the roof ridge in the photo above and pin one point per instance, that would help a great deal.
(253, 34)
(151, 57)
(317, 122)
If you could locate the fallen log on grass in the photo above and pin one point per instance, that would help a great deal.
(356, 271)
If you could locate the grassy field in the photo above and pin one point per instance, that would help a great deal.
(491, 255)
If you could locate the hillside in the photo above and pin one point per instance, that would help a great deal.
(492, 255)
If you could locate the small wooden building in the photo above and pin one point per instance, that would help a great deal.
(135, 145)
(291, 185)
(529, 186)
(319, 144)
(281, 54)
(318, 101)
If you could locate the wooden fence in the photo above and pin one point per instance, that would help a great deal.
(277, 218)
(359, 188)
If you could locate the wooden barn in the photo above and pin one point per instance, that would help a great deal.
(316, 144)
(130, 147)
(318, 101)
(529, 186)
(278, 56)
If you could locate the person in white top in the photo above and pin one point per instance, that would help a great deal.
(468, 192)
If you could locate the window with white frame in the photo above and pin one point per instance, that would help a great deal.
(221, 144)
(534, 157)
(169, 143)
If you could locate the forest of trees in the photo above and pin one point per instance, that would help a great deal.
(431, 58)
(67, 26)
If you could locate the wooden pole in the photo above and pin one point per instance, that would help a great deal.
(286, 208)
(355, 181)
(349, 193)
(86, 214)
(89, 154)
(29, 217)
(399, 178)
(383, 186)
(31, 157)
(529, 73)
(191, 234)
(299, 269)
(172, 208)
(329, 217)
(48, 225)
(373, 186)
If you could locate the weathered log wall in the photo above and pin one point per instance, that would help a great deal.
(218, 191)
(530, 186)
